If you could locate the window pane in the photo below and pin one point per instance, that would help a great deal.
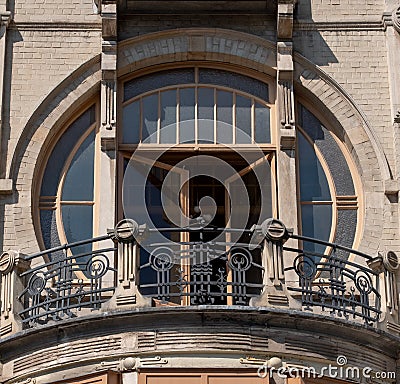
(313, 183)
(79, 180)
(131, 123)
(162, 79)
(333, 155)
(150, 118)
(168, 117)
(224, 117)
(316, 221)
(234, 80)
(62, 150)
(262, 124)
(205, 102)
(186, 115)
(243, 120)
(78, 223)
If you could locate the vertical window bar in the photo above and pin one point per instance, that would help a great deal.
(196, 125)
(178, 91)
(234, 118)
(158, 117)
(253, 113)
(215, 115)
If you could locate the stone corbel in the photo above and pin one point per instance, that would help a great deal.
(286, 95)
(109, 70)
(12, 265)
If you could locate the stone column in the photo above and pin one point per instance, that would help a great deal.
(107, 171)
(5, 18)
(286, 157)
(12, 265)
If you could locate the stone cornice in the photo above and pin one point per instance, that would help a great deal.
(340, 26)
(56, 26)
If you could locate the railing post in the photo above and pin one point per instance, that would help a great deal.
(273, 234)
(127, 294)
(12, 264)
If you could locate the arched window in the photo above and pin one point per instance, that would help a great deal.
(327, 194)
(67, 195)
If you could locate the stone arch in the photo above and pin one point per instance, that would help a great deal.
(46, 121)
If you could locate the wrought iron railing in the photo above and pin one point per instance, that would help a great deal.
(194, 266)
(71, 280)
(201, 272)
(332, 282)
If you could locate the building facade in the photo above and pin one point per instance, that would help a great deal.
(199, 191)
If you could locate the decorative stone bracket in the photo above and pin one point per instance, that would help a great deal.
(285, 73)
(11, 266)
(275, 234)
(108, 11)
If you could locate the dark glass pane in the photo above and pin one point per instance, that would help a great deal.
(243, 120)
(205, 103)
(316, 221)
(168, 117)
(131, 123)
(262, 124)
(79, 180)
(158, 80)
(224, 117)
(186, 115)
(62, 150)
(78, 223)
(49, 232)
(235, 81)
(150, 118)
(329, 148)
(313, 183)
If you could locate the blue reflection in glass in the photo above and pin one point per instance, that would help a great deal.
(316, 221)
(168, 117)
(78, 185)
(243, 120)
(187, 104)
(131, 123)
(262, 124)
(78, 224)
(313, 182)
(62, 150)
(150, 118)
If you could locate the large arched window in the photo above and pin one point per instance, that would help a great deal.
(67, 194)
(327, 194)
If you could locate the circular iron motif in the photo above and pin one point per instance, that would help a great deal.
(161, 259)
(305, 267)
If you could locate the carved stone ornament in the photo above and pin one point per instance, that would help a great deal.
(396, 19)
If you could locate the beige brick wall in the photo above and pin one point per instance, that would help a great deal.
(41, 60)
(54, 10)
(340, 10)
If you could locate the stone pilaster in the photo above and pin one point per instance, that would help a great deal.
(127, 233)
(11, 266)
(286, 157)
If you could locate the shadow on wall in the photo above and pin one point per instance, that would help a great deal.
(307, 40)
(12, 37)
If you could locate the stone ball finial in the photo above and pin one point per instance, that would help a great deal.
(7, 260)
(391, 261)
(273, 229)
(126, 230)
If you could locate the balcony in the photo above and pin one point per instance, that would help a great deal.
(269, 268)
